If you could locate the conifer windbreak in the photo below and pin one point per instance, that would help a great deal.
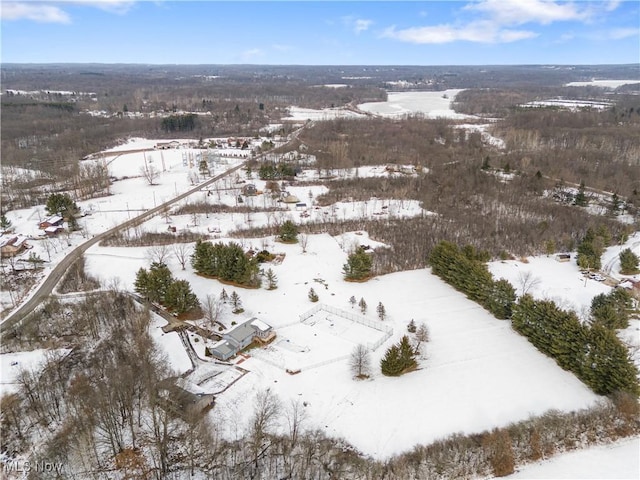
(593, 353)
(464, 271)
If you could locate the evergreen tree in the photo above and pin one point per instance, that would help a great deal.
(141, 284)
(288, 232)
(381, 311)
(358, 266)
(398, 358)
(363, 306)
(180, 298)
(612, 310)
(628, 262)
(313, 296)
(224, 296)
(411, 327)
(390, 363)
(615, 204)
(590, 249)
(61, 204)
(352, 301)
(236, 303)
(160, 278)
(581, 198)
(5, 223)
(407, 354)
(272, 279)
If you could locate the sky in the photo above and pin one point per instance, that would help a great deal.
(467, 32)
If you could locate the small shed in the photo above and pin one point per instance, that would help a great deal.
(53, 230)
(53, 221)
(563, 257)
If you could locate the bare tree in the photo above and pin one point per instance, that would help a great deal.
(159, 254)
(360, 362)
(265, 417)
(527, 281)
(422, 335)
(211, 307)
(149, 173)
(181, 251)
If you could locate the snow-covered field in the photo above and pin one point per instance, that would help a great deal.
(431, 104)
(603, 83)
(301, 114)
(620, 460)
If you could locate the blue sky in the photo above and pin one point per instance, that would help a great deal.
(472, 32)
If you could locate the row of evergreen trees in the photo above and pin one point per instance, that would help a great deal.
(465, 271)
(158, 285)
(592, 352)
(226, 262)
(179, 123)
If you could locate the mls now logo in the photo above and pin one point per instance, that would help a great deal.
(26, 466)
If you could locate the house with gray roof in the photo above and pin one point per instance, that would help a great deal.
(240, 337)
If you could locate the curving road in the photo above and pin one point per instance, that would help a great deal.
(56, 274)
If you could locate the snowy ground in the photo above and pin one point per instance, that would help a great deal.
(431, 104)
(12, 363)
(620, 460)
(477, 373)
(301, 114)
(603, 83)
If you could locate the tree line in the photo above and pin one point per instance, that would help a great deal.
(592, 352)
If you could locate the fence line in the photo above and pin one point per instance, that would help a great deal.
(354, 317)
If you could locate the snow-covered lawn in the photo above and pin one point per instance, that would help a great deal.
(549, 279)
(616, 461)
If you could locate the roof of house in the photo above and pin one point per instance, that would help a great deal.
(15, 241)
(241, 332)
(53, 229)
(222, 349)
(53, 219)
(260, 325)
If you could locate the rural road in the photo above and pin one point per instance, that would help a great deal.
(56, 274)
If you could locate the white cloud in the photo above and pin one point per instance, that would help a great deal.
(518, 12)
(496, 21)
(479, 32)
(55, 12)
(622, 33)
(358, 25)
(33, 11)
